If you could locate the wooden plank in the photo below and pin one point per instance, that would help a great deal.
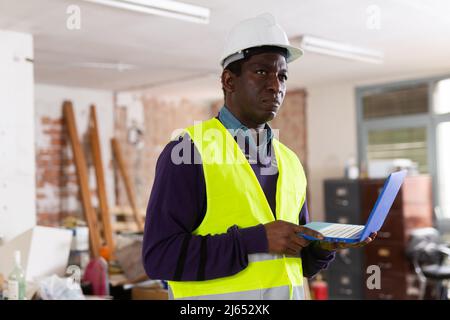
(100, 177)
(82, 177)
(126, 179)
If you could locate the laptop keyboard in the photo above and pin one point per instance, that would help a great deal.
(342, 231)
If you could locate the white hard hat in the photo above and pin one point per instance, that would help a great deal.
(255, 32)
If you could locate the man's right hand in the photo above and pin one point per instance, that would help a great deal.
(283, 238)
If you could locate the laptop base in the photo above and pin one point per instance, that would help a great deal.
(321, 226)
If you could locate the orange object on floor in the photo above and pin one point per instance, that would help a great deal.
(105, 253)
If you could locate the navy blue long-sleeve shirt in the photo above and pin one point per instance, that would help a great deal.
(177, 206)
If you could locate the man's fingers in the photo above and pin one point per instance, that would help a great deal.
(309, 232)
(296, 244)
(293, 249)
(331, 246)
(292, 254)
(343, 245)
(302, 242)
(370, 238)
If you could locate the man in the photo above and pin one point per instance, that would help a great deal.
(226, 227)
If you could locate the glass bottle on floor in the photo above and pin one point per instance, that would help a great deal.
(16, 280)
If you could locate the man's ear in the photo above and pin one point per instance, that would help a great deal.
(228, 81)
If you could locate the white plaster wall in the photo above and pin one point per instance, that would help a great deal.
(17, 153)
(331, 123)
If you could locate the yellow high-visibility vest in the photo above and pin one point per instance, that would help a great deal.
(235, 197)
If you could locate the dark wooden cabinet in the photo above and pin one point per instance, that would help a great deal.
(351, 201)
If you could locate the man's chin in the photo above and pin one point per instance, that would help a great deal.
(271, 115)
(264, 117)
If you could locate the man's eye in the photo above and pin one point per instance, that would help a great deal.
(262, 72)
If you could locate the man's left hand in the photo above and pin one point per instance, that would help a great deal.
(332, 246)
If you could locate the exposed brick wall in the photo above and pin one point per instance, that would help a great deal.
(162, 117)
(56, 181)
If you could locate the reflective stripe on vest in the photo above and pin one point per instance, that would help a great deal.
(276, 293)
(235, 197)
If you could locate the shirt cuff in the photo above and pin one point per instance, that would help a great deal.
(320, 253)
(254, 239)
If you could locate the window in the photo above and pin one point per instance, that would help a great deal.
(409, 120)
(443, 179)
(397, 102)
(442, 97)
(405, 143)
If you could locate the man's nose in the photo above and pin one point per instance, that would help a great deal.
(274, 84)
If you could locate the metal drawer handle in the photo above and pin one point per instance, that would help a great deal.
(341, 192)
(342, 202)
(384, 234)
(343, 220)
(344, 255)
(345, 280)
(346, 291)
(385, 265)
(383, 252)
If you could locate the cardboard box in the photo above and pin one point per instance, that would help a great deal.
(142, 293)
(44, 251)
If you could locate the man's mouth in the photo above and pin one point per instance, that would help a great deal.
(272, 103)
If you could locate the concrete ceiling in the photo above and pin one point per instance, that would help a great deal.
(179, 58)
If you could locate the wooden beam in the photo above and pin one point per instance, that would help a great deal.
(101, 186)
(126, 179)
(82, 176)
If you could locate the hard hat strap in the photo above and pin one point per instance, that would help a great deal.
(254, 50)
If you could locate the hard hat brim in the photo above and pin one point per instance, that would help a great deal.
(293, 54)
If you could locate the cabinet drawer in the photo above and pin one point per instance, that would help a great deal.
(343, 216)
(390, 258)
(395, 287)
(393, 228)
(418, 216)
(345, 285)
(418, 190)
(369, 195)
(348, 259)
(342, 196)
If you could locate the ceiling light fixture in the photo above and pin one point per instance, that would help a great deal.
(164, 8)
(120, 67)
(337, 49)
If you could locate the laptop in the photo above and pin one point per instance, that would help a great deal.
(349, 233)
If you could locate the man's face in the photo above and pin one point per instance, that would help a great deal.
(260, 90)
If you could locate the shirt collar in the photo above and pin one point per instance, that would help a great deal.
(232, 123)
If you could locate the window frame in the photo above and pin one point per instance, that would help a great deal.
(430, 120)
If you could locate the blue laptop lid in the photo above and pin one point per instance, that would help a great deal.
(384, 203)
